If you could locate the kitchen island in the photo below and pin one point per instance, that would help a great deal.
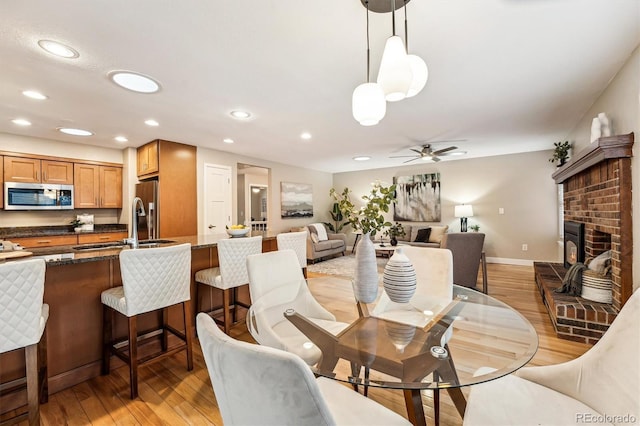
(74, 280)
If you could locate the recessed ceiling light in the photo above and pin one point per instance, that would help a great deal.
(362, 158)
(74, 132)
(34, 95)
(305, 135)
(21, 122)
(134, 81)
(58, 49)
(121, 139)
(227, 140)
(240, 114)
(151, 122)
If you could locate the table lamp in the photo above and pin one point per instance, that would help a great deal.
(463, 211)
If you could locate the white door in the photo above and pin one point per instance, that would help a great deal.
(217, 197)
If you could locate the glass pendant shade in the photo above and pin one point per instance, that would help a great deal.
(368, 104)
(420, 75)
(395, 75)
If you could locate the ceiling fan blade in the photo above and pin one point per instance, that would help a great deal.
(442, 151)
(408, 161)
(417, 152)
(435, 159)
(403, 156)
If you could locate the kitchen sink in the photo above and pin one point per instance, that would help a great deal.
(100, 246)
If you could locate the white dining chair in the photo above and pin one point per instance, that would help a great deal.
(229, 275)
(601, 386)
(260, 385)
(23, 319)
(152, 279)
(276, 284)
(296, 241)
(434, 288)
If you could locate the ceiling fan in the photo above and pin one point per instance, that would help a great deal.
(427, 153)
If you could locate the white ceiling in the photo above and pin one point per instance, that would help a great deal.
(507, 75)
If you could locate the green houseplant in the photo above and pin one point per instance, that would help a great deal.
(560, 152)
(337, 217)
(475, 228)
(394, 231)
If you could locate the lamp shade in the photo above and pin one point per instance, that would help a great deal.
(395, 75)
(463, 210)
(420, 75)
(368, 104)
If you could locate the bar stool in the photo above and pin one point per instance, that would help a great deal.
(23, 319)
(229, 275)
(152, 279)
(296, 241)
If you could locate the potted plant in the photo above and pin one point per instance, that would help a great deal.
(368, 219)
(76, 225)
(396, 230)
(560, 152)
(338, 217)
(475, 228)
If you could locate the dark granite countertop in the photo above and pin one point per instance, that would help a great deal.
(65, 255)
(41, 231)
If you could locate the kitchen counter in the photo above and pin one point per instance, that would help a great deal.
(74, 281)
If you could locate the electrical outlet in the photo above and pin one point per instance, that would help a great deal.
(525, 247)
(501, 210)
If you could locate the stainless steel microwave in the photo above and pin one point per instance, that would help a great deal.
(37, 196)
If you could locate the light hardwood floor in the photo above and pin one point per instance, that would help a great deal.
(171, 395)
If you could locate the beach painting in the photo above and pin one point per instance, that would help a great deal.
(296, 200)
(417, 198)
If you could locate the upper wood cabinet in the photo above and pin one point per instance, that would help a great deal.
(148, 161)
(1, 182)
(33, 170)
(97, 186)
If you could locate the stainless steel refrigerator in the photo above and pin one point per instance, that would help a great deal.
(148, 226)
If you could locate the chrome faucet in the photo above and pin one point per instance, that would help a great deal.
(137, 210)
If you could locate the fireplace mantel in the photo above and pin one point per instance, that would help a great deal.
(619, 146)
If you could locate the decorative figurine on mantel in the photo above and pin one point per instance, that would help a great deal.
(600, 126)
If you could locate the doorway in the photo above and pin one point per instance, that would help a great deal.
(217, 198)
(253, 197)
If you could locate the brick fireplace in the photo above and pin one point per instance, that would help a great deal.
(597, 194)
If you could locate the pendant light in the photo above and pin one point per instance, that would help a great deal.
(395, 74)
(418, 66)
(368, 101)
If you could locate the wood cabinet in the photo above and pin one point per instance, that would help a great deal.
(1, 182)
(102, 237)
(46, 241)
(33, 170)
(148, 160)
(97, 186)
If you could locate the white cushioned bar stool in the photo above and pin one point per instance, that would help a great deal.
(23, 319)
(152, 279)
(296, 241)
(229, 275)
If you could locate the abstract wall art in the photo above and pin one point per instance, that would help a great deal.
(417, 198)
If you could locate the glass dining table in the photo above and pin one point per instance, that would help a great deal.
(473, 339)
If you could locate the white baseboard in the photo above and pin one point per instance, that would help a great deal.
(507, 261)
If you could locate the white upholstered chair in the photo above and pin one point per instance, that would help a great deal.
(23, 319)
(152, 279)
(296, 241)
(259, 385)
(230, 274)
(601, 386)
(434, 289)
(276, 284)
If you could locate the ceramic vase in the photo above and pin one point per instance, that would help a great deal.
(399, 278)
(393, 241)
(596, 129)
(365, 281)
(605, 124)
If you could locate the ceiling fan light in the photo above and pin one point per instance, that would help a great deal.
(368, 104)
(420, 75)
(395, 75)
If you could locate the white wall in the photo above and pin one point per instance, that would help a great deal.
(521, 184)
(620, 101)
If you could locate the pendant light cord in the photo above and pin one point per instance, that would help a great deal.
(368, 52)
(393, 17)
(406, 27)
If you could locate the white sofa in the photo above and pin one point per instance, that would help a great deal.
(435, 238)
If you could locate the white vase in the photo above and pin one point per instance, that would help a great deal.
(365, 281)
(596, 129)
(399, 278)
(605, 124)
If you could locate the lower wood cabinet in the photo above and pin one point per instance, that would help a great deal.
(101, 238)
(46, 241)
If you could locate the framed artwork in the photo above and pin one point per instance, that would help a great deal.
(296, 200)
(417, 198)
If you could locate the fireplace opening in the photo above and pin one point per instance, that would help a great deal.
(573, 243)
